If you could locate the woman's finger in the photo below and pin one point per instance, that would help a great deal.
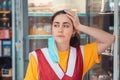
(70, 12)
(73, 20)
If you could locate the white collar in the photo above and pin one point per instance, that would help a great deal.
(55, 66)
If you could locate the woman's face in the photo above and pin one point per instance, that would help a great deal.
(62, 28)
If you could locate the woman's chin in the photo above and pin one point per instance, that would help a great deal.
(60, 41)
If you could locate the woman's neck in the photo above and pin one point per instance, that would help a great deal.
(62, 47)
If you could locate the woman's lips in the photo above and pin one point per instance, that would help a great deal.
(60, 36)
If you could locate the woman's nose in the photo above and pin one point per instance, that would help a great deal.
(60, 29)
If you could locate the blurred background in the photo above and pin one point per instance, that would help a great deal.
(25, 26)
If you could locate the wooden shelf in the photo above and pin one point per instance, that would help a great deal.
(6, 12)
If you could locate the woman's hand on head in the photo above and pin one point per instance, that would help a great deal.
(73, 16)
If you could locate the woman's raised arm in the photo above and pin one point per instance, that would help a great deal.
(103, 38)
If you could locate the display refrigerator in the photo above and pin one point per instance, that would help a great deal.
(31, 22)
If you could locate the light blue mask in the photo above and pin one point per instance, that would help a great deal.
(52, 49)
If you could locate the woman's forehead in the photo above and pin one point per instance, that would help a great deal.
(62, 17)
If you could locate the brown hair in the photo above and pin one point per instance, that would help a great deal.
(75, 39)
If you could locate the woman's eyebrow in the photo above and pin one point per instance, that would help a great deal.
(63, 23)
(56, 22)
(66, 23)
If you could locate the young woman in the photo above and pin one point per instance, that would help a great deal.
(74, 59)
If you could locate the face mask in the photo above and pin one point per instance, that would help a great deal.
(52, 49)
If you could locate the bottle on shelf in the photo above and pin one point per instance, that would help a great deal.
(39, 26)
(0, 5)
(5, 14)
(4, 5)
(9, 5)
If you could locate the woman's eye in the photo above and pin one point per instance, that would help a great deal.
(66, 26)
(56, 25)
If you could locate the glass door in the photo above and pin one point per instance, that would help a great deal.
(107, 18)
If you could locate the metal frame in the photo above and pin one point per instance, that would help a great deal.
(13, 40)
(116, 44)
(19, 22)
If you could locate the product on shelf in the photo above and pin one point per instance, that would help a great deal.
(76, 5)
(39, 29)
(61, 4)
(6, 73)
(39, 6)
(82, 6)
(55, 5)
(5, 68)
(5, 5)
(6, 48)
(5, 19)
(38, 43)
(0, 48)
(94, 6)
(39, 26)
(5, 34)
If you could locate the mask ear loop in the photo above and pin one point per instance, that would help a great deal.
(52, 49)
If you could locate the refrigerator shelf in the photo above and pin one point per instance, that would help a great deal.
(82, 36)
(79, 14)
(49, 14)
(38, 36)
